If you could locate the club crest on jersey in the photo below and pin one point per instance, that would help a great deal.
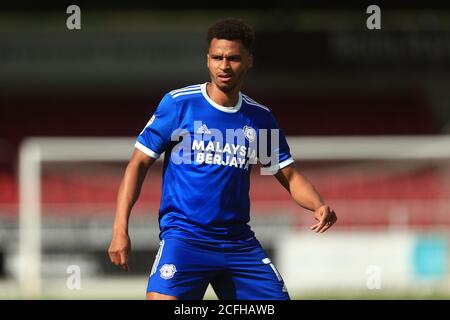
(250, 133)
(167, 271)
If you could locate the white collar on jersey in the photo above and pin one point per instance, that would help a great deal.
(218, 106)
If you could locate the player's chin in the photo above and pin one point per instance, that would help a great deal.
(225, 87)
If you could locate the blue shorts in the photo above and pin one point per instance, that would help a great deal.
(238, 270)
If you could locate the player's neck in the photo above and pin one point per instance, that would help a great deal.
(226, 99)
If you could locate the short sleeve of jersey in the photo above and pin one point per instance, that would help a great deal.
(156, 136)
(280, 154)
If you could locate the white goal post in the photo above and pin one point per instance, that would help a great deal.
(37, 150)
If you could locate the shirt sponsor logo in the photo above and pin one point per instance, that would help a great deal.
(237, 156)
(232, 147)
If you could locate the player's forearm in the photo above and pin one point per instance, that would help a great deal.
(304, 193)
(128, 194)
(301, 190)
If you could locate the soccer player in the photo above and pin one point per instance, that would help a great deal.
(211, 134)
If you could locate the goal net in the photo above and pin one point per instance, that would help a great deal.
(68, 188)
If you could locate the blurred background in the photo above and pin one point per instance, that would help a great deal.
(367, 113)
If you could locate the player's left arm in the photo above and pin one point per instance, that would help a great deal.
(304, 194)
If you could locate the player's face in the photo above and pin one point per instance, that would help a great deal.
(228, 62)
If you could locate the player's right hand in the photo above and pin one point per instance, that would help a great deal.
(118, 250)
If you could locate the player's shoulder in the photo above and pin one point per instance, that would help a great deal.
(254, 105)
(185, 93)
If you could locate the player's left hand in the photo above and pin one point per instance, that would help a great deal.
(326, 217)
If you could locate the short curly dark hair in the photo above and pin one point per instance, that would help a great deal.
(232, 29)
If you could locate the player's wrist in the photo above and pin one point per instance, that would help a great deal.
(120, 229)
(320, 205)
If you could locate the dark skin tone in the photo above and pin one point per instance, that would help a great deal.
(228, 62)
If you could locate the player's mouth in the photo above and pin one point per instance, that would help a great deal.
(225, 77)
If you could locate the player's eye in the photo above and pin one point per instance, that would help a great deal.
(234, 58)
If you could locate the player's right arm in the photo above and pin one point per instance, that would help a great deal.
(129, 191)
(153, 140)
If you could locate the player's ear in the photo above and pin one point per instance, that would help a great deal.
(207, 60)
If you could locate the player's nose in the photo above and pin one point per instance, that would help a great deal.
(224, 65)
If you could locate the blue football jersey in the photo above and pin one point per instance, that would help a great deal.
(209, 151)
